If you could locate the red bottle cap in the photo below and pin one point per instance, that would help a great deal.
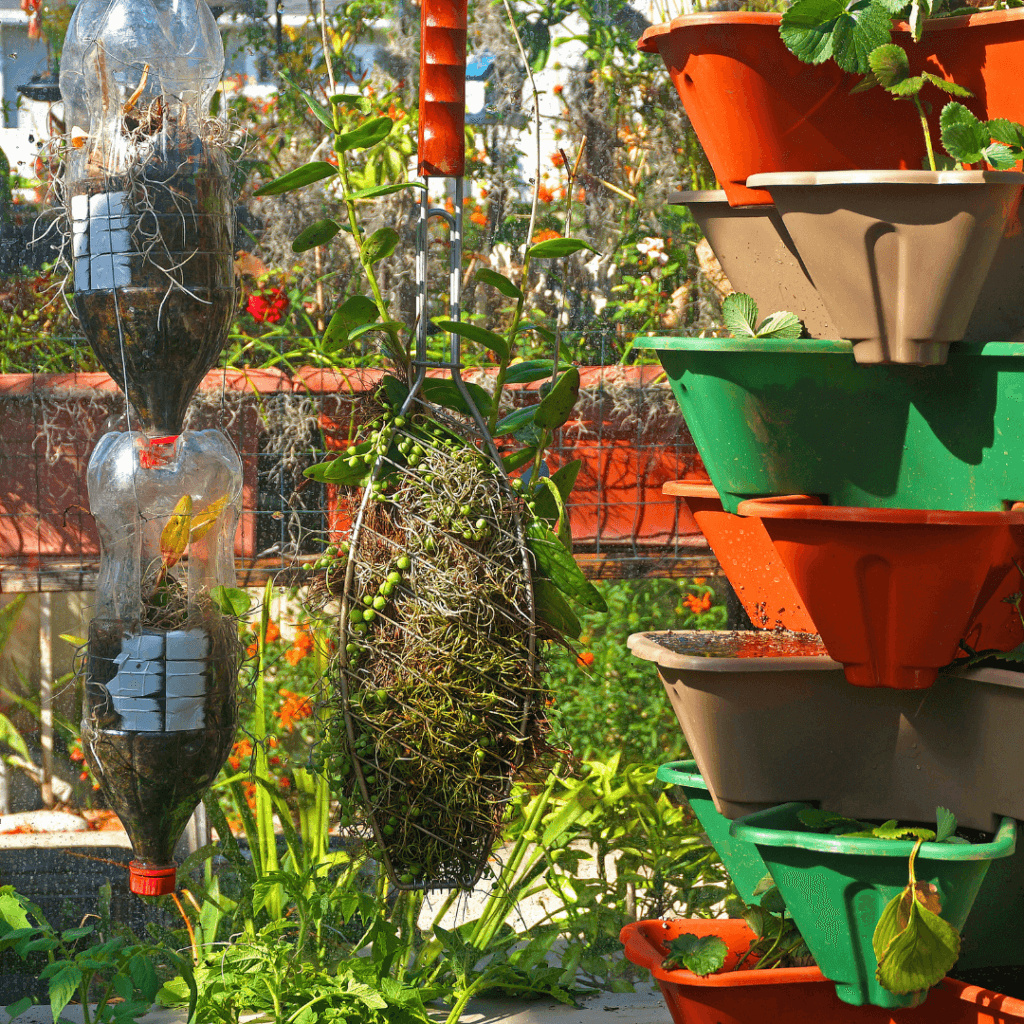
(147, 880)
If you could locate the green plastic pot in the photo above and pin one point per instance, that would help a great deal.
(836, 889)
(789, 417)
(745, 865)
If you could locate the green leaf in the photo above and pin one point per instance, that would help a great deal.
(553, 608)
(299, 178)
(892, 830)
(515, 460)
(499, 281)
(143, 975)
(556, 408)
(1007, 132)
(890, 66)
(10, 735)
(515, 420)
(964, 137)
(945, 824)
(555, 247)
(354, 311)
(915, 957)
(73, 934)
(316, 234)
(772, 901)
(1001, 157)
(62, 988)
(495, 342)
(384, 190)
(323, 115)
(384, 325)
(379, 246)
(560, 567)
(231, 600)
(951, 87)
(528, 371)
(766, 883)
(546, 334)
(739, 311)
(446, 393)
(563, 480)
(781, 326)
(369, 133)
(702, 955)
(18, 1008)
(815, 30)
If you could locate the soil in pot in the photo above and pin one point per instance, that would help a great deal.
(899, 258)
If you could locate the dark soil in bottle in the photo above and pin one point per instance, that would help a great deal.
(154, 780)
(166, 327)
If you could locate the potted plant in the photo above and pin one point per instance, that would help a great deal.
(795, 116)
(883, 939)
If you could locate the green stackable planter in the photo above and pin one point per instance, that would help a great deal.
(790, 417)
(836, 888)
(745, 865)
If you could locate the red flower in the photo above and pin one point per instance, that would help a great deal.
(268, 306)
(585, 659)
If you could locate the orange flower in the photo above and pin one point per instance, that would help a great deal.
(581, 196)
(697, 604)
(585, 659)
(545, 195)
(449, 206)
(76, 753)
(557, 90)
(300, 647)
(273, 633)
(479, 218)
(545, 235)
(293, 708)
(284, 782)
(699, 581)
(557, 160)
(484, 193)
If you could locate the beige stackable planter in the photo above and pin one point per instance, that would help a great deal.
(758, 257)
(770, 719)
(899, 258)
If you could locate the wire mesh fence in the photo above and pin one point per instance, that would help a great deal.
(627, 432)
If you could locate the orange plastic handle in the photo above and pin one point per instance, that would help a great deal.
(442, 151)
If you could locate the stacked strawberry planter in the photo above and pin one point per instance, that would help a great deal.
(867, 504)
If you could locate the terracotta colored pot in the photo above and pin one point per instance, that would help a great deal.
(892, 591)
(793, 995)
(898, 257)
(769, 719)
(758, 257)
(747, 557)
(757, 108)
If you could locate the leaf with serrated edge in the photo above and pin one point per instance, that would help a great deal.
(918, 956)
(945, 824)
(951, 87)
(963, 135)
(781, 326)
(1001, 157)
(1007, 132)
(807, 26)
(890, 65)
(702, 954)
(739, 311)
(766, 883)
(858, 31)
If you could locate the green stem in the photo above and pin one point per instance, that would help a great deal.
(927, 134)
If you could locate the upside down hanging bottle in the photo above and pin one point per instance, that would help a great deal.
(150, 211)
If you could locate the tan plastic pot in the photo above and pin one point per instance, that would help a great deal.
(758, 257)
(899, 258)
(770, 718)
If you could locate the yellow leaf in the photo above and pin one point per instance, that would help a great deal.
(202, 522)
(174, 537)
